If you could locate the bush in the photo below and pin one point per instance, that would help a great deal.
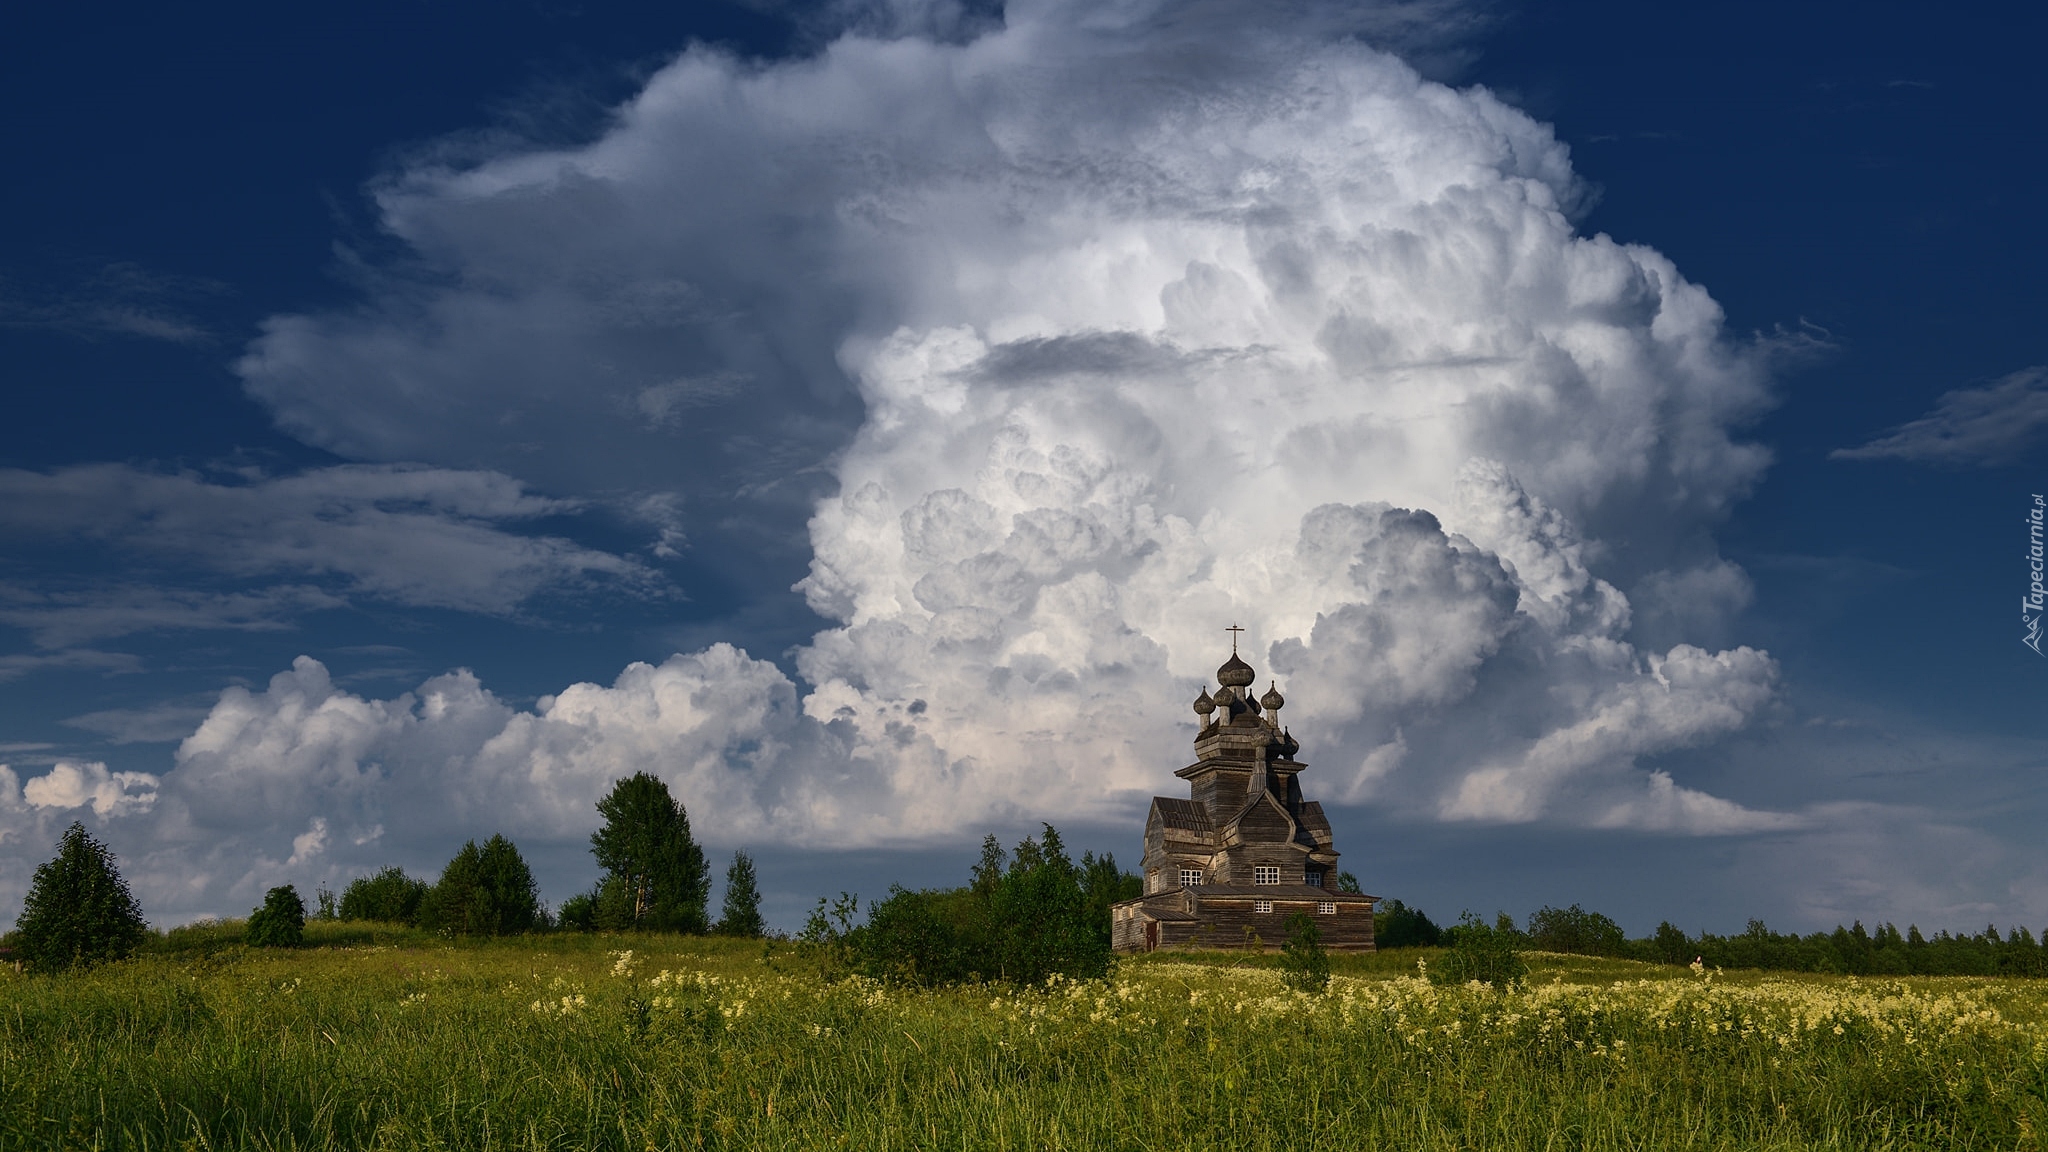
(1039, 919)
(1576, 931)
(486, 891)
(1304, 965)
(1396, 925)
(78, 911)
(280, 923)
(578, 913)
(390, 896)
(1024, 917)
(911, 938)
(1490, 955)
(828, 937)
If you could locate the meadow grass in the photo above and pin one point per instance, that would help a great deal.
(375, 1037)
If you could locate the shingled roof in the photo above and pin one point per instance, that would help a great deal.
(1183, 814)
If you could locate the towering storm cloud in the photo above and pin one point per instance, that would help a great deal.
(1098, 332)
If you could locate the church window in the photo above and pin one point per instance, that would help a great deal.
(1262, 905)
(1189, 877)
(1314, 878)
(1265, 874)
(1327, 908)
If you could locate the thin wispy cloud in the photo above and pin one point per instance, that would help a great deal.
(63, 619)
(165, 722)
(428, 537)
(14, 666)
(119, 300)
(1998, 424)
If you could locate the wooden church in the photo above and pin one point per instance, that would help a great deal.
(1227, 867)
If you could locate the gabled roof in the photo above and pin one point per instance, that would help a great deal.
(1275, 809)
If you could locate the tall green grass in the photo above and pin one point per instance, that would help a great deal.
(381, 1038)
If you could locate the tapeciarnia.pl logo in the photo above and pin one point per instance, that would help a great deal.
(2036, 599)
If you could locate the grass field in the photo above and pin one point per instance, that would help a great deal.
(384, 1039)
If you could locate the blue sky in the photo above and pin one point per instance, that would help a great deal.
(477, 353)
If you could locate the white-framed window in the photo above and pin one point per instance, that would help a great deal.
(1313, 878)
(1262, 905)
(1189, 877)
(1265, 874)
(1327, 908)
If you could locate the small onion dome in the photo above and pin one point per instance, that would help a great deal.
(1235, 673)
(1203, 704)
(1288, 742)
(1273, 700)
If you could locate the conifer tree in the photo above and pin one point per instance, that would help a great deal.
(79, 910)
(741, 915)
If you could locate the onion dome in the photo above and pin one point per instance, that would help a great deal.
(1203, 704)
(1235, 673)
(1272, 700)
(1288, 742)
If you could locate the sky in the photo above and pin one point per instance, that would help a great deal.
(1616, 426)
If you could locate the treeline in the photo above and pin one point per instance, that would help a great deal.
(79, 911)
(655, 879)
(1854, 950)
(1022, 917)
(483, 891)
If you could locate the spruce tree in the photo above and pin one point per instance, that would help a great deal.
(742, 913)
(79, 911)
(655, 874)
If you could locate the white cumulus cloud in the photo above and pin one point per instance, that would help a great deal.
(1104, 330)
(81, 784)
